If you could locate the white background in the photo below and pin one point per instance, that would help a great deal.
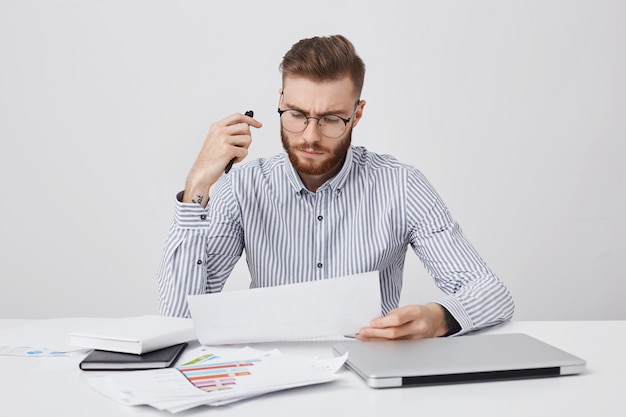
(515, 111)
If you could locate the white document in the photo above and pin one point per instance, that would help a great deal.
(215, 382)
(331, 307)
(44, 337)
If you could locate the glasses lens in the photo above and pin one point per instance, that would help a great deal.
(332, 126)
(293, 121)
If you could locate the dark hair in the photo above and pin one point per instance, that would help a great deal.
(325, 58)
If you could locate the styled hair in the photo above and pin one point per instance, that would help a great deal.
(324, 59)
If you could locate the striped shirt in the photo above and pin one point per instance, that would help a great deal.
(363, 219)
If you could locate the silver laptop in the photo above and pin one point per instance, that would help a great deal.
(474, 358)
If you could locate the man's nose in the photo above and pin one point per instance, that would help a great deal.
(311, 132)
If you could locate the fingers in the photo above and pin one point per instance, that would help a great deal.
(237, 118)
(409, 322)
(251, 121)
(238, 147)
(405, 331)
(395, 325)
(229, 134)
(396, 317)
(225, 136)
(227, 139)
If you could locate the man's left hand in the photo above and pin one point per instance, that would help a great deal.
(408, 322)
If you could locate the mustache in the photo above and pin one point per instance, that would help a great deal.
(311, 147)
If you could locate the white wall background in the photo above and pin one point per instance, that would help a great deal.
(515, 110)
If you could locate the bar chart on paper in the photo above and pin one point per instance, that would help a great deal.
(210, 374)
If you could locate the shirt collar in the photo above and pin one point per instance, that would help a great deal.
(334, 184)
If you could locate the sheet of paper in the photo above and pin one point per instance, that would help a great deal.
(42, 337)
(331, 307)
(29, 351)
(216, 379)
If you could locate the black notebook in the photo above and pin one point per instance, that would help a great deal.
(103, 360)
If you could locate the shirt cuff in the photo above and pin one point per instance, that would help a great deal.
(190, 215)
(453, 326)
(458, 313)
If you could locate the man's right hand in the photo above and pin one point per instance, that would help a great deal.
(227, 139)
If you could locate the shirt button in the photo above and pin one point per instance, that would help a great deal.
(319, 265)
(203, 217)
(199, 261)
(320, 218)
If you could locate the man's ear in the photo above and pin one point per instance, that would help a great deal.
(280, 96)
(359, 112)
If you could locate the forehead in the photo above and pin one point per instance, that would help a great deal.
(319, 96)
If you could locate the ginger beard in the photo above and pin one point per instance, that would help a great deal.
(334, 156)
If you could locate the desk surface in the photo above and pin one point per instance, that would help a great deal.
(38, 387)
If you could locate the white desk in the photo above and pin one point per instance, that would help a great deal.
(38, 387)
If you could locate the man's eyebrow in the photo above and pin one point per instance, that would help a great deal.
(326, 113)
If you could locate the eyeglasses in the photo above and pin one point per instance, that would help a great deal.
(330, 125)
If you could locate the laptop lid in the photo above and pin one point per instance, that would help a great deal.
(469, 358)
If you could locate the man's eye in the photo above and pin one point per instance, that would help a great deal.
(331, 120)
(296, 115)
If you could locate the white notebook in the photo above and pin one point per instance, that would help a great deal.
(138, 335)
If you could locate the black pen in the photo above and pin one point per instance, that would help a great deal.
(232, 161)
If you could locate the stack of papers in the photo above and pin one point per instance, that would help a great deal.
(220, 377)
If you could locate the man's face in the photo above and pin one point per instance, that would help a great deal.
(314, 158)
(311, 153)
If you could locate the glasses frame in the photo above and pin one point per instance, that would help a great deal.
(319, 129)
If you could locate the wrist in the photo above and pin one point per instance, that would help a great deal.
(437, 320)
(196, 192)
(198, 184)
(198, 197)
(451, 324)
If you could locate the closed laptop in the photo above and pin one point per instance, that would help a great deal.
(470, 358)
